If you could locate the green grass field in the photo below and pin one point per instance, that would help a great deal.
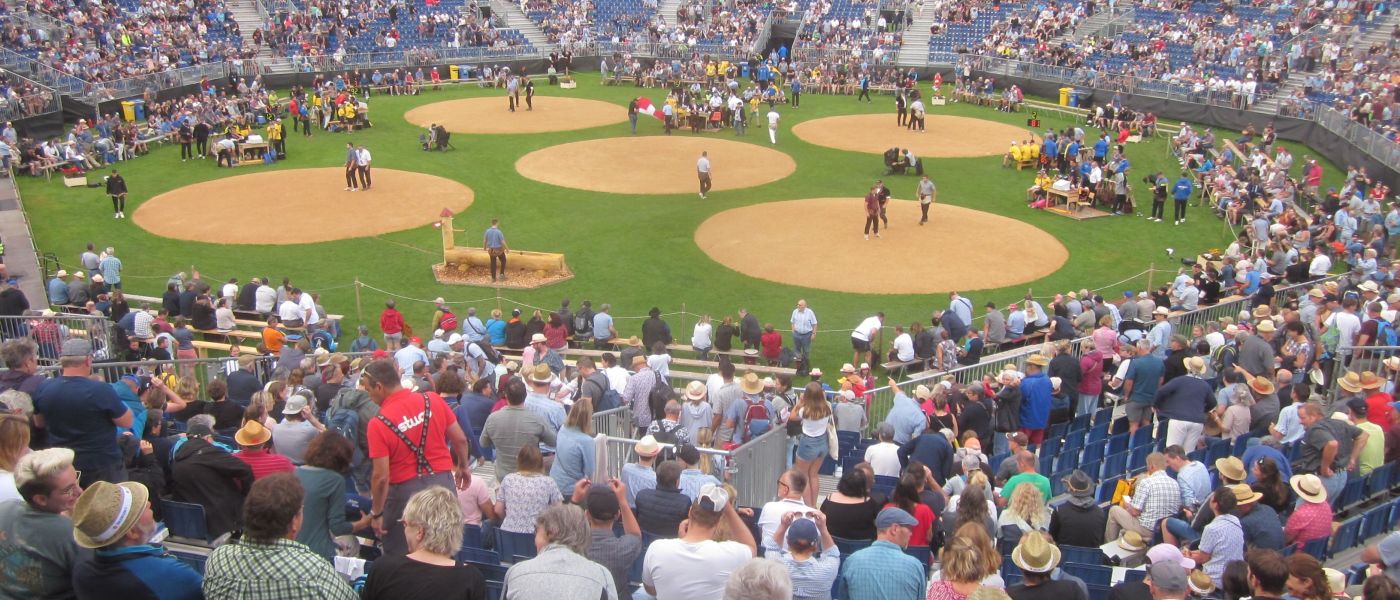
(632, 251)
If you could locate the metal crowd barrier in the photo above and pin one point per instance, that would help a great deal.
(51, 331)
(753, 469)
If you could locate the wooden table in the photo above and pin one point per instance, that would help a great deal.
(251, 152)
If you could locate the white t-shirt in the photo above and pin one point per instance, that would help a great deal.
(307, 306)
(702, 336)
(862, 331)
(680, 570)
(884, 459)
(904, 347)
(772, 515)
(266, 298)
(617, 378)
(289, 311)
(772, 119)
(1347, 325)
(230, 290)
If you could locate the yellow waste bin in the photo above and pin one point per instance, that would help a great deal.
(129, 110)
(453, 72)
(1064, 96)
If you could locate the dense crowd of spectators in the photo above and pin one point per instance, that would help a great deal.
(337, 27)
(836, 27)
(106, 42)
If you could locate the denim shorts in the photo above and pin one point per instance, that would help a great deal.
(811, 448)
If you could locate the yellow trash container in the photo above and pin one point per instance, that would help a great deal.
(1064, 96)
(129, 110)
(453, 72)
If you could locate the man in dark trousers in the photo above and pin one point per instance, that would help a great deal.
(201, 139)
(529, 92)
(872, 212)
(116, 188)
(901, 107)
(864, 87)
(352, 159)
(186, 136)
(749, 330)
(884, 194)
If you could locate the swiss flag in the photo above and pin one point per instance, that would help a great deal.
(644, 106)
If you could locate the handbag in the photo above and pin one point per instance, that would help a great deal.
(833, 444)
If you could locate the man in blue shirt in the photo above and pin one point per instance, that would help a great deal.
(58, 288)
(1101, 148)
(1140, 384)
(1181, 192)
(603, 331)
(83, 415)
(933, 451)
(883, 571)
(495, 244)
(1036, 398)
(905, 416)
(115, 520)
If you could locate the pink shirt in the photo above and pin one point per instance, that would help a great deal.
(471, 499)
(1310, 521)
(1106, 340)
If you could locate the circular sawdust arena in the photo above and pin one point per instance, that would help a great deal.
(820, 245)
(945, 137)
(244, 209)
(654, 165)
(490, 115)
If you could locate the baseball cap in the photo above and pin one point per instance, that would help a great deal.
(802, 530)
(602, 503)
(1168, 553)
(199, 430)
(894, 516)
(712, 497)
(970, 463)
(76, 347)
(1019, 438)
(1167, 576)
(295, 404)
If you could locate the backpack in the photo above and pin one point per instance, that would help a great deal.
(1385, 334)
(1217, 357)
(492, 356)
(666, 435)
(448, 322)
(583, 323)
(660, 394)
(757, 421)
(346, 422)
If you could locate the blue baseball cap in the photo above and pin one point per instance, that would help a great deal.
(894, 516)
(802, 530)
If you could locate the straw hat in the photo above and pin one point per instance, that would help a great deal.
(1244, 494)
(107, 511)
(1369, 381)
(540, 373)
(1132, 541)
(1261, 385)
(1035, 555)
(695, 390)
(1038, 360)
(848, 368)
(1262, 312)
(751, 384)
(1195, 364)
(648, 446)
(1336, 581)
(61, 273)
(1230, 467)
(1200, 583)
(253, 433)
(1266, 326)
(1308, 487)
(634, 342)
(922, 392)
(1392, 363)
(1350, 382)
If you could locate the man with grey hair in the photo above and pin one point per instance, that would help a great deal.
(603, 330)
(17, 402)
(759, 579)
(472, 327)
(21, 356)
(1167, 580)
(111, 268)
(35, 536)
(562, 559)
(83, 415)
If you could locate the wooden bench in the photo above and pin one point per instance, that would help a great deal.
(204, 348)
(235, 333)
(897, 367)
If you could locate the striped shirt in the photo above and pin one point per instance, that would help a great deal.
(812, 578)
(1223, 540)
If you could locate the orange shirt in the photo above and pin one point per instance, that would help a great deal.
(273, 338)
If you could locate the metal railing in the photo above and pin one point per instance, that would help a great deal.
(752, 469)
(40, 102)
(1368, 140)
(51, 331)
(882, 398)
(616, 422)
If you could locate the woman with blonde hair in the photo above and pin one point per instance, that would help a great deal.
(704, 438)
(432, 523)
(264, 402)
(1235, 421)
(1027, 510)
(702, 339)
(574, 457)
(14, 444)
(813, 444)
(969, 559)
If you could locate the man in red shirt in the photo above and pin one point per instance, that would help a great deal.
(872, 212)
(1378, 407)
(252, 449)
(391, 323)
(409, 448)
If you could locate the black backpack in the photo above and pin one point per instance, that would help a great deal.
(667, 435)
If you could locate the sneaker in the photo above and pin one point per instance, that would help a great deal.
(702, 196)
(349, 189)
(354, 190)
(877, 236)
(122, 213)
(867, 236)
(1183, 220)
(116, 215)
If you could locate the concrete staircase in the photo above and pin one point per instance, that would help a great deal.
(1378, 34)
(667, 10)
(1093, 25)
(249, 17)
(914, 51)
(516, 19)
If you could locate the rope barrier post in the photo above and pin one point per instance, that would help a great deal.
(498, 298)
(359, 308)
(1151, 270)
(683, 315)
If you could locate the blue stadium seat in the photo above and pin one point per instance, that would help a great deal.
(1081, 422)
(1097, 433)
(510, 544)
(1379, 481)
(1118, 443)
(478, 555)
(1115, 465)
(1092, 574)
(1074, 442)
(1093, 452)
(185, 520)
(1352, 494)
(1346, 537)
(1142, 437)
(472, 537)
(1083, 556)
(1137, 459)
(495, 576)
(1106, 487)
